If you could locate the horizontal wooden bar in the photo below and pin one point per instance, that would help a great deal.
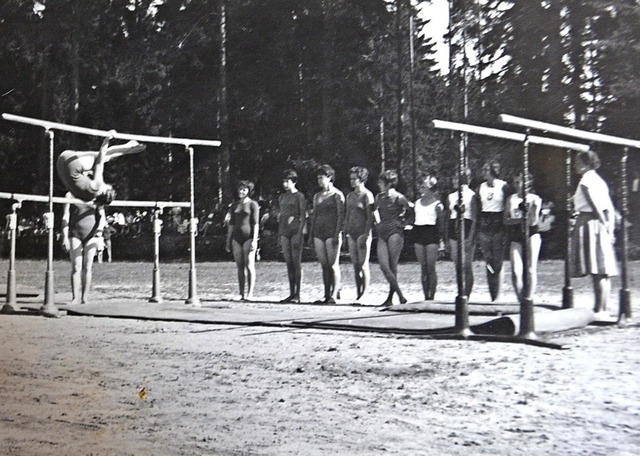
(116, 203)
(103, 133)
(567, 131)
(508, 135)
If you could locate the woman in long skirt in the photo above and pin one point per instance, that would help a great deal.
(593, 234)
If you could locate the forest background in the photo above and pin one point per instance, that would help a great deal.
(297, 83)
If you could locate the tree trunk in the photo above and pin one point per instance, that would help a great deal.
(223, 117)
(328, 58)
(399, 94)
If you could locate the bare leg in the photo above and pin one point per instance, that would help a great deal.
(421, 255)
(355, 261)
(89, 253)
(364, 253)
(296, 262)
(534, 252)
(432, 277)
(467, 270)
(492, 246)
(238, 257)
(131, 147)
(321, 254)
(285, 243)
(250, 263)
(516, 269)
(76, 257)
(388, 256)
(602, 288)
(468, 267)
(333, 263)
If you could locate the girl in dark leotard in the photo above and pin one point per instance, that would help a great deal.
(358, 222)
(291, 221)
(82, 225)
(427, 226)
(392, 210)
(242, 237)
(326, 231)
(82, 173)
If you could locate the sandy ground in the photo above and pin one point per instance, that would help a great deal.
(73, 385)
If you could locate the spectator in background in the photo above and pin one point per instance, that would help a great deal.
(108, 231)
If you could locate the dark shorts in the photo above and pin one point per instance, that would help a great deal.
(490, 222)
(424, 235)
(515, 233)
(453, 228)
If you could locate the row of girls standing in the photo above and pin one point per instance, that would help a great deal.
(330, 218)
(490, 208)
(493, 219)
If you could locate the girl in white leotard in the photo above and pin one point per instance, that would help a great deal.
(491, 232)
(513, 221)
(426, 234)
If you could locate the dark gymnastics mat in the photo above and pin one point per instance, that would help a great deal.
(22, 291)
(475, 308)
(231, 313)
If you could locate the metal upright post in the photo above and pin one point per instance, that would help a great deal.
(567, 291)
(462, 307)
(49, 308)
(193, 227)
(156, 295)
(9, 306)
(527, 326)
(624, 308)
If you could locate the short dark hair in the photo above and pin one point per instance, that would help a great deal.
(326, 170)
(589, 158)
(494, 168)
(389, 177)
(361, 173)
(518, 175)
(246, 184)
(465, 178)
(291, 175)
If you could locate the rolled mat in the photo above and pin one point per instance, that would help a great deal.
(545, 322)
